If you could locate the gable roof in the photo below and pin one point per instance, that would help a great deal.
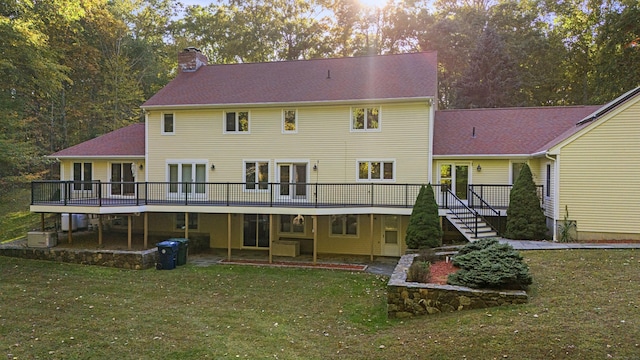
(128, 141)
(504, 131)
(395, 76)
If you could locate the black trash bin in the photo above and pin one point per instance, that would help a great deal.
(183, 250)
(167, 255)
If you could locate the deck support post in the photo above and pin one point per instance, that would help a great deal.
(100, 230)
(186, 225)
(229, 236)
(315, 238)
(371, 234)
(145, 230)
(69, 236)
(270, 238)
(129, 219)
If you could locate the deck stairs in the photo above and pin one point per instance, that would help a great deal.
(467, 220)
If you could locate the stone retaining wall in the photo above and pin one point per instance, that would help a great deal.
(136, 260)
(406, 299)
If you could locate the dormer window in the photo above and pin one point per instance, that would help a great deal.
(365, 119)
(236, 122)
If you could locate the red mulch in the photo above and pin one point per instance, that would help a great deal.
(440, 270)
(333, 266)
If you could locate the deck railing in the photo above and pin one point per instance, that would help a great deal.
(317, 195)
(497, 196)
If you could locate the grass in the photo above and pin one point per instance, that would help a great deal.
(584, 305)
(15, 219)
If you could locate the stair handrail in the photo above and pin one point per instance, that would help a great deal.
(493, 211)
(460, 203)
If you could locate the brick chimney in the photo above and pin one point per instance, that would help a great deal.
(191, 59)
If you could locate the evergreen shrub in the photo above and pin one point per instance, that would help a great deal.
(424, 229)
(496, 266)
(525, 218)
(419, 271)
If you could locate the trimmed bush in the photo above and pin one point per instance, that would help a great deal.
(525, 218)
(424, 229)
(419, 271)
(496, 266)
(478, 245)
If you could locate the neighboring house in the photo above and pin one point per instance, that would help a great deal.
(328, 155)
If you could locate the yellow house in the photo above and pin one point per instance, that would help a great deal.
(328, 155)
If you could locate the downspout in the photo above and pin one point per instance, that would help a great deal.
(432, 118)
(556, 193)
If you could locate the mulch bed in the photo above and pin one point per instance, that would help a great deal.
(440, 270)
(307, 265)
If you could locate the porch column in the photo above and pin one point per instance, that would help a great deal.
(145, 229)
(69, 237)
(229, 236)
(371, 234)
(100, 230)
(42, 222)
(186, 225)
(315, 238)
(270, 237)
(129, 232)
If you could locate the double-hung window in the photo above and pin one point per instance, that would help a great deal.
(82, 176)
(236, 122)
(291, 224)
(345, 225)
(168, 124)
(256, 175)
(373, 170)
(289, 121)
(365, 119)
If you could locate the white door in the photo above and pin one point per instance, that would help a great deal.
(391, 245)
(456, 178)
(187, 179)
(292, 181)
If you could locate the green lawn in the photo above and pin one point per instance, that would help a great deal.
(584, 305)
(15, 218)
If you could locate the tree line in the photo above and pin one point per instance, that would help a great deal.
(74, 69)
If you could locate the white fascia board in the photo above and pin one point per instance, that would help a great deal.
(287, 104)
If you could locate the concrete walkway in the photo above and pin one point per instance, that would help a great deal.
(550, 245)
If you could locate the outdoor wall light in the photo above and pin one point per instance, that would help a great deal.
(213, 167)
(479, 168)
(315, 167)
(140, 167)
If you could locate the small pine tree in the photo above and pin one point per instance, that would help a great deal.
(525, 218)
(424, 230)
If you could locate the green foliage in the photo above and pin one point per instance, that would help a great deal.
(419, 271)
(496, 266)
(424, 229)
(567, 228)
(525, 218)
(478, 245)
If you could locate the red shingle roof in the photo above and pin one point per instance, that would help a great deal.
(506, 131)
(357, 78)
(127, 141)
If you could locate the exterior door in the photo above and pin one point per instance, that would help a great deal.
(122, 180)
(255, 231)
(187, 179)
(293, 181)
(391, 242)
(456, 178)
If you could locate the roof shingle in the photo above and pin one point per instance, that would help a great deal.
(357, 78)
(505, 131)
(126, 141)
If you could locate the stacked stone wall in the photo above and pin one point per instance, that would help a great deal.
(135, 260)
(407, 299)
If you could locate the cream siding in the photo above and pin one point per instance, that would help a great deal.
(599, 174)
(323, 137)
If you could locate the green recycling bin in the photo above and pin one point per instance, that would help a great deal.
(183, 250)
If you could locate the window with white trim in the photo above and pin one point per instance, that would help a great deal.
(236, 122)
(372, 170)
(516, 167)
(289, 121)
(168, 124)
(547, 189)
(180, 221)
(365, 119)
(256, 175)
(291, 224)
(344, 225)
(82, 176)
